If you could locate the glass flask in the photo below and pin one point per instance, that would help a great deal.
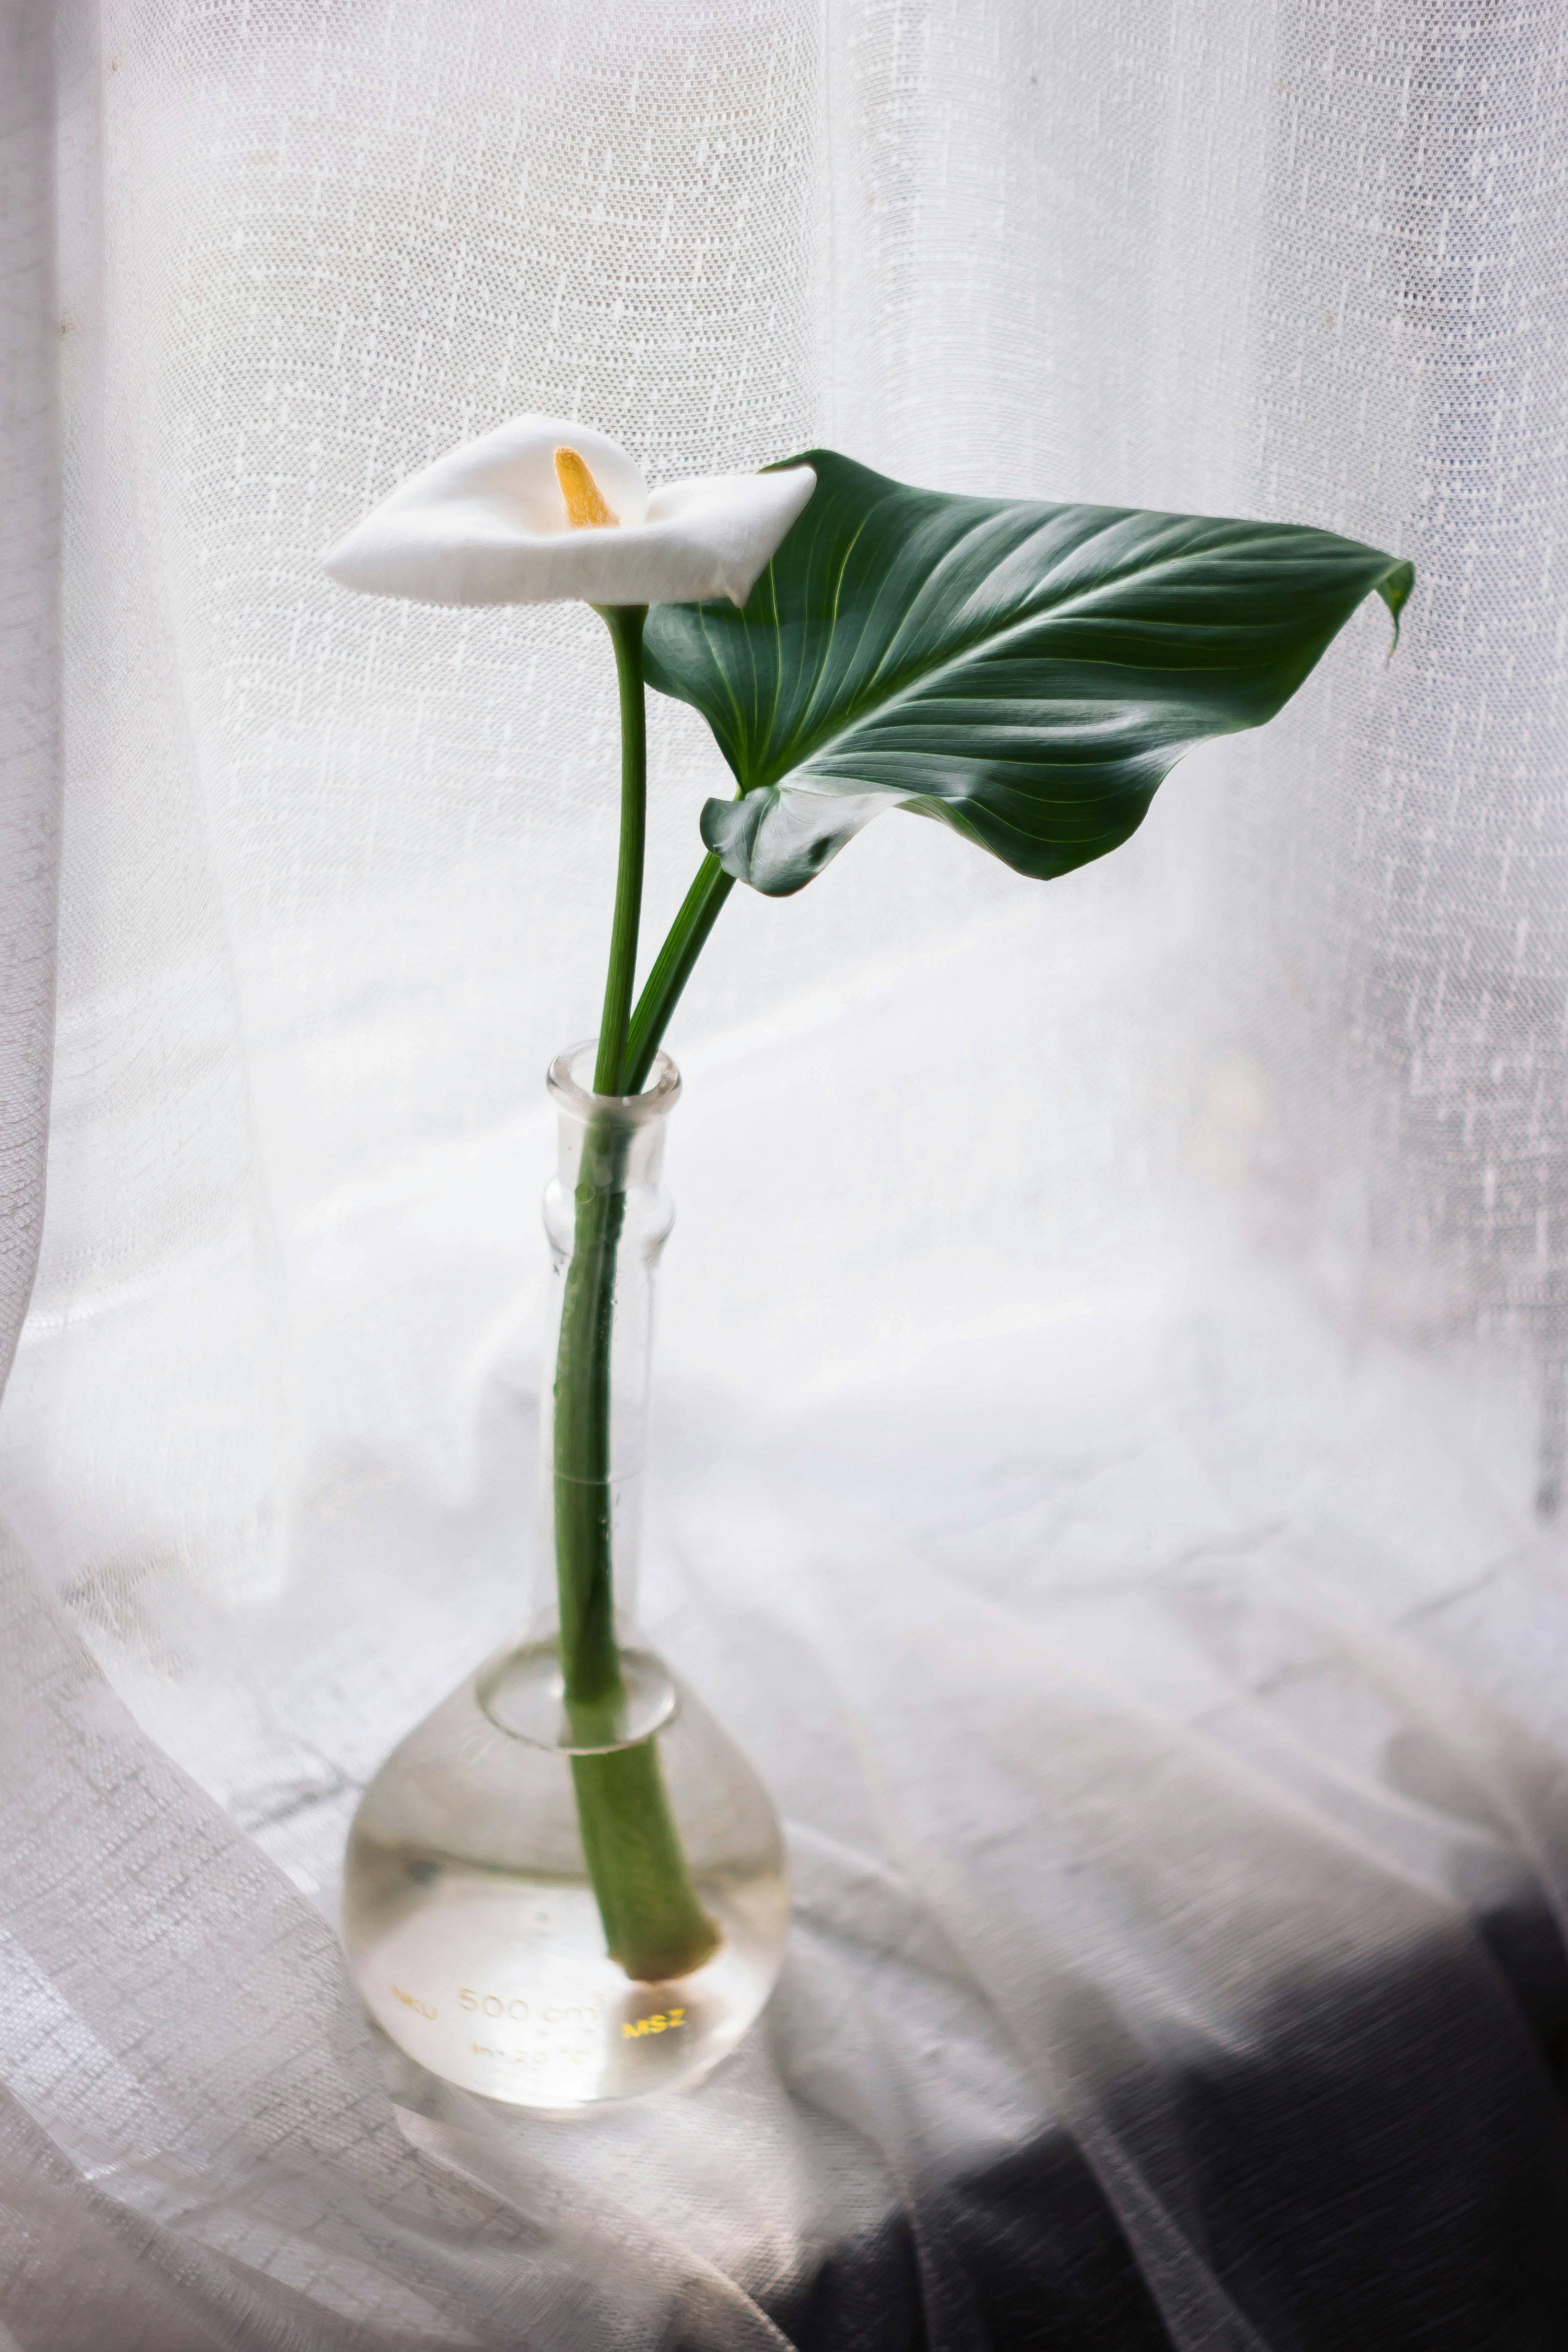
(568, 1887)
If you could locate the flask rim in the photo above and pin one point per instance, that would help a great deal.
(576, 1100)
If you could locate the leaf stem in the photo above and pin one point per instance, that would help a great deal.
(687, 938)
(625, 623)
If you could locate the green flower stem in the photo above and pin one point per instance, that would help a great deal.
(590, 1663)
(625, 623)
(654, 1924)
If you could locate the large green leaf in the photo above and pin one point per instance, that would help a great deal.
(1029, 673)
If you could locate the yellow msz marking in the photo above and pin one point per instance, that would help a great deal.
(663, 2021)
(585, 507)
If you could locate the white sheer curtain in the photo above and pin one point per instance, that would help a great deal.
(1113, 1344)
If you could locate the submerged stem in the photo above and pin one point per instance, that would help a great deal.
(653, 1918)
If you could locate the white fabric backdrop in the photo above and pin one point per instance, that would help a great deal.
(1113, 1339)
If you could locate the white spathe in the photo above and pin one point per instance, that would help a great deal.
(487, 524)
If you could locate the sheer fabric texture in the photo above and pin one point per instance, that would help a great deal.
(1111, 1376)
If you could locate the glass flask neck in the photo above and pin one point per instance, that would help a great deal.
(611, 1142)
(607, 1217)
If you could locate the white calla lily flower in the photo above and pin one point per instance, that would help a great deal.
(540, 511)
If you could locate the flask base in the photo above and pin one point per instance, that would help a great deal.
(507, 1990)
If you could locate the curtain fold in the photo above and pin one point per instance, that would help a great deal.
(29, 648)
